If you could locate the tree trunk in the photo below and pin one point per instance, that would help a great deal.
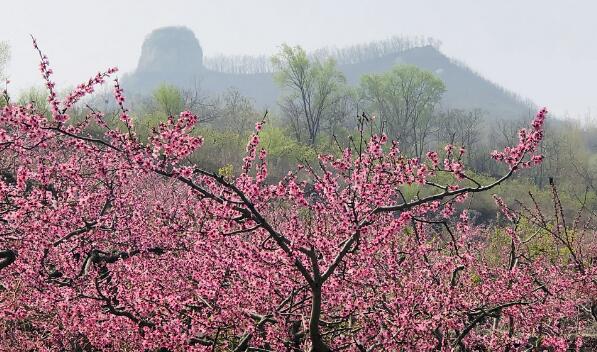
(317, 343)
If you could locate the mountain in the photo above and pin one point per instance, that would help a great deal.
(173, 55)
(465, 89)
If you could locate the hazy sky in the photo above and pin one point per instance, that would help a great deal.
(543, 50)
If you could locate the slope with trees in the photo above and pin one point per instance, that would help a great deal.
(173, 55)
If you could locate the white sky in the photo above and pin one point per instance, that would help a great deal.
(543, 50)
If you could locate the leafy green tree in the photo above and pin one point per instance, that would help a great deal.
(169, 99)
(404, 98)
(313, 88)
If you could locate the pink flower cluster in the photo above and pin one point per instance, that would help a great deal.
(87, 87)
(58, 113)
(529, 141)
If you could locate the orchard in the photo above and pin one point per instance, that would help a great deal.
(109, 242)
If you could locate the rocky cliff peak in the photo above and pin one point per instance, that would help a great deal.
(171, 50)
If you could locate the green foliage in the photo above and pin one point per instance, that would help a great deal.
(293, 65)
(404, 99)
(281, 145)
(314, 92)
(144, 123)
(169, 99)
(392, 92)
(284, 152)
(221, 149)
(226, 171)
(38, 97)
(475, 279)
(536, 241)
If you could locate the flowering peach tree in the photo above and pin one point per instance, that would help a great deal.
(110, 243)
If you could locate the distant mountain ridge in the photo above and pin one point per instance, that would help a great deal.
(173, 55)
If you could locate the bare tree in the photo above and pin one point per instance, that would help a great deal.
(206, 107)
(460, 127)
(502, 128)
(237, 112)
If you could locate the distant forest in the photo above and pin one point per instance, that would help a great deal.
(343, 56)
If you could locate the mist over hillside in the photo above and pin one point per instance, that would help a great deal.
(173, 55)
